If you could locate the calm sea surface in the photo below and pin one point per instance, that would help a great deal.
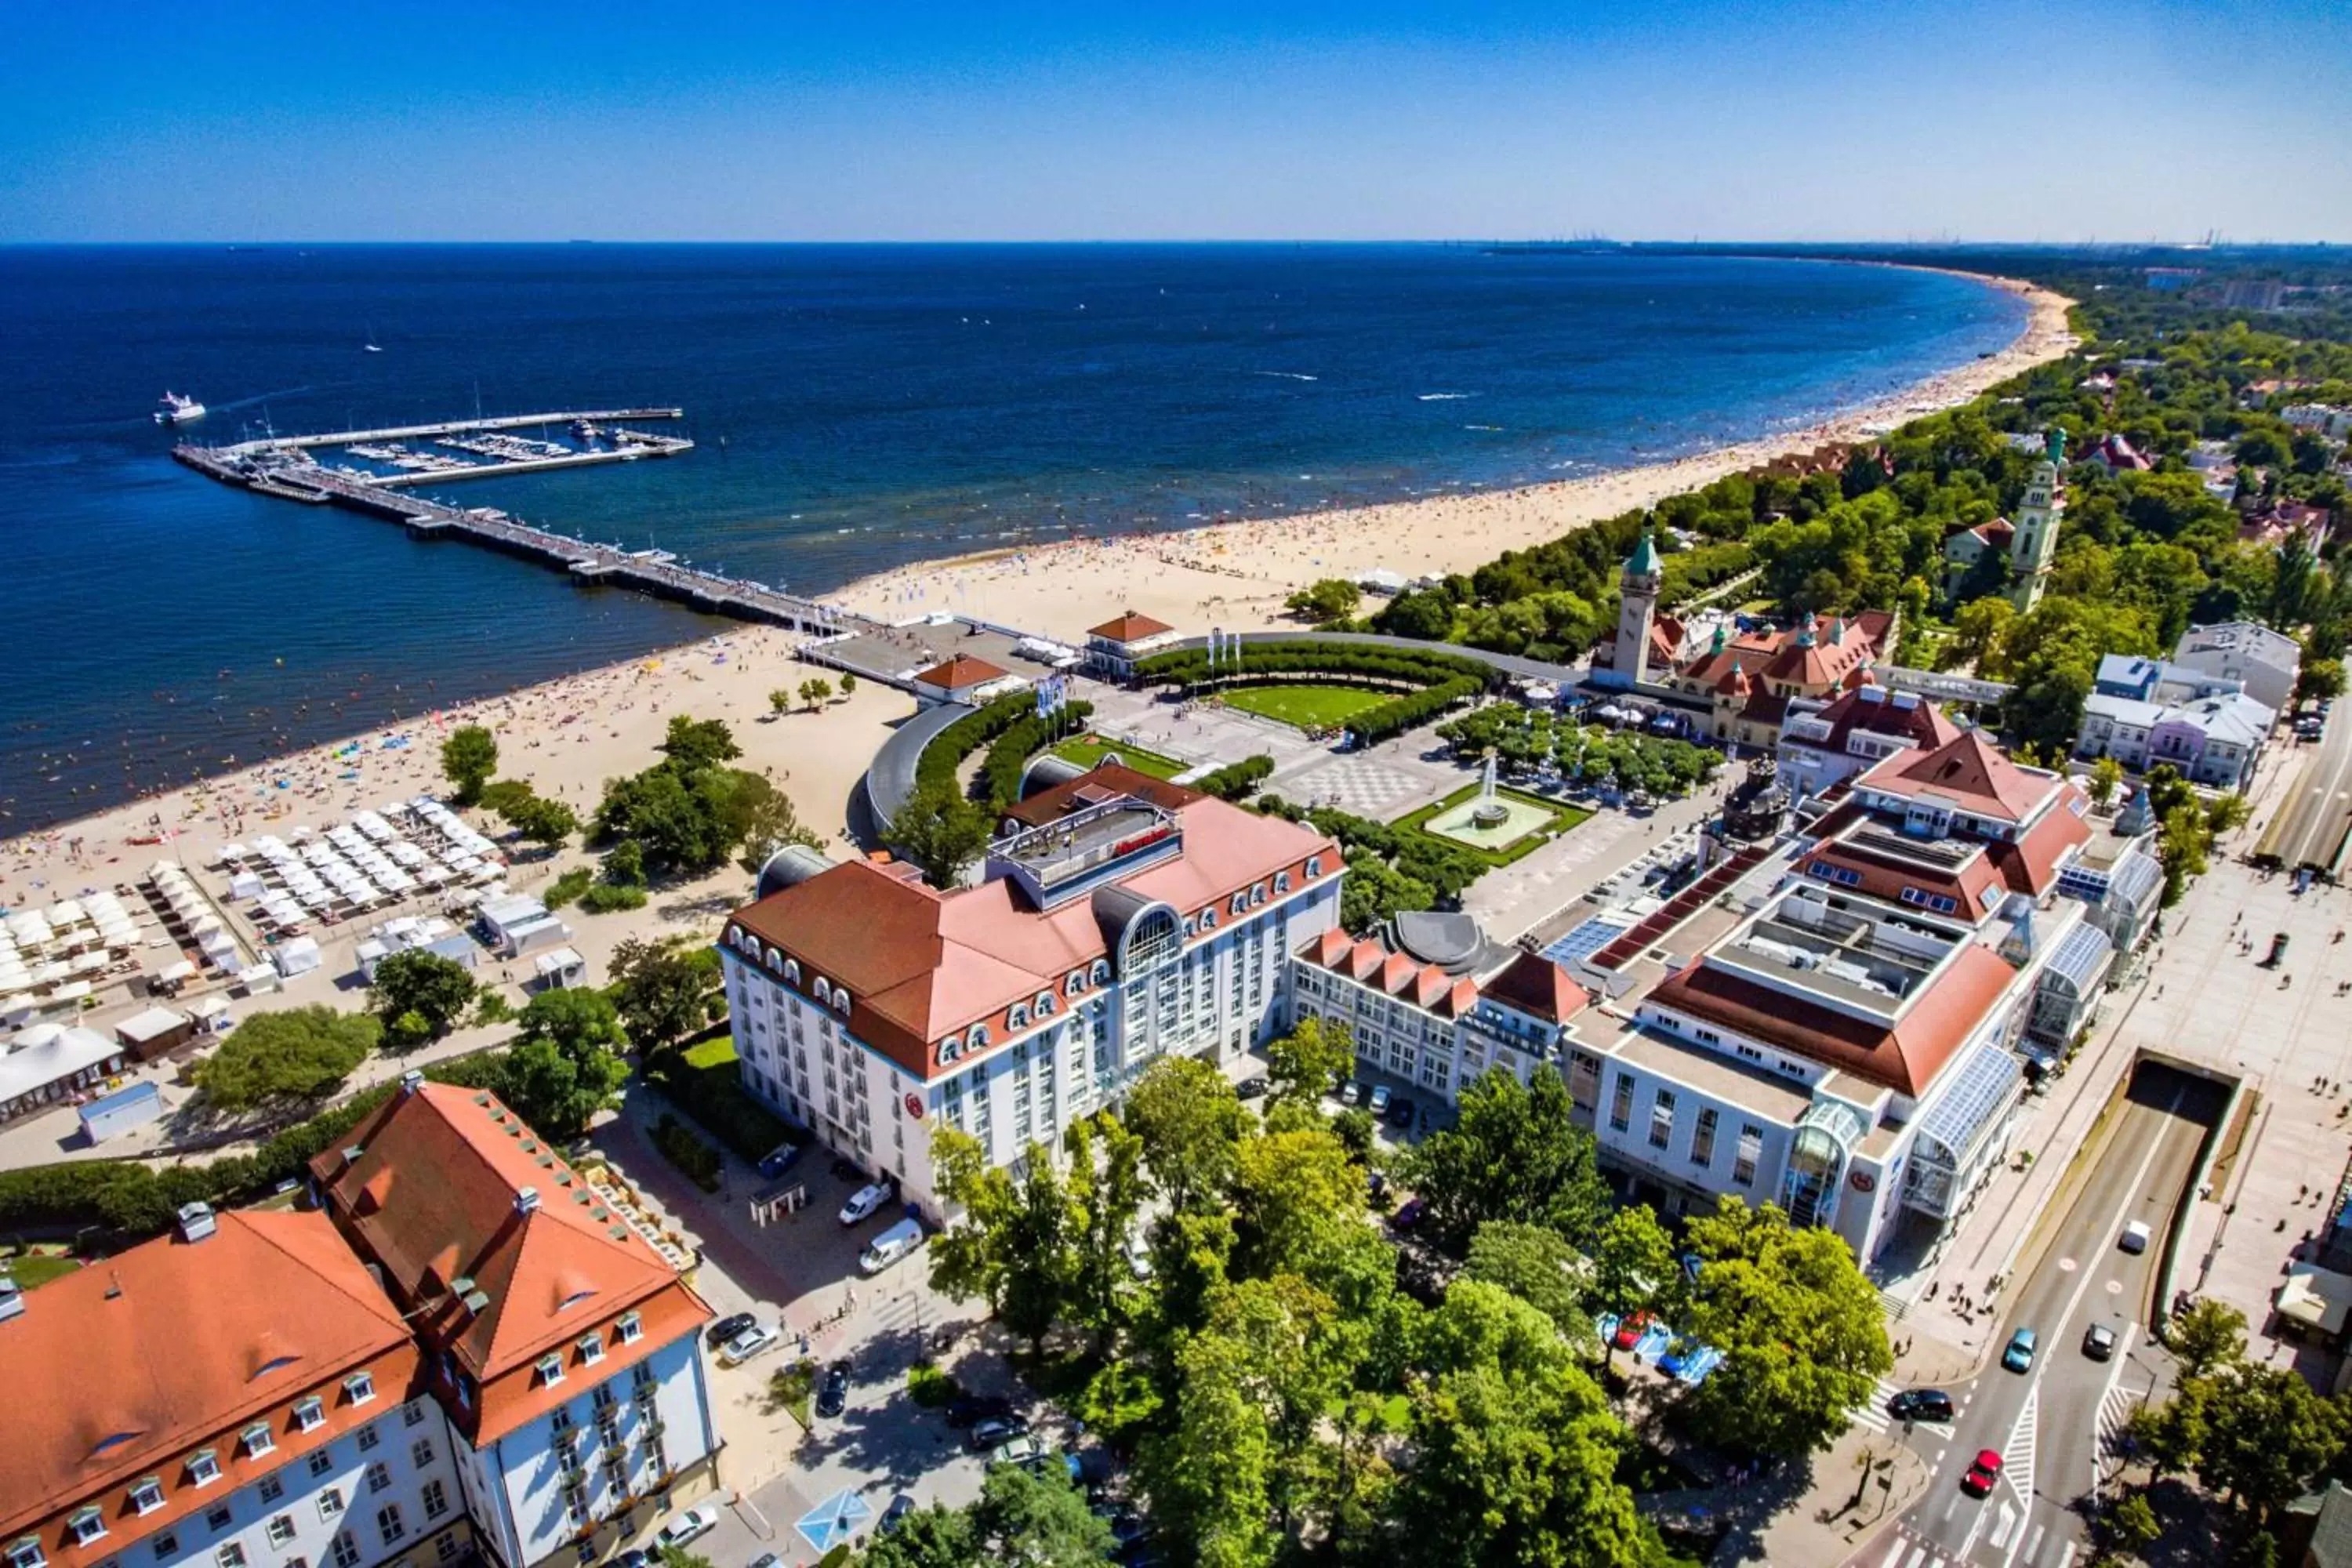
(857, 407)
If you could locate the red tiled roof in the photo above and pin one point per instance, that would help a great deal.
(126, 1368)
(1371, 962)
(2031, 864)
(1535, 986)
(1976, 885)
(1904, 1058)
(960, 673)
(1970, 770)
(433, 1198)
(1922, 722)
(1129, 627)
(921, 965)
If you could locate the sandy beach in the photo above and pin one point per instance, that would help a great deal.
(567, 736)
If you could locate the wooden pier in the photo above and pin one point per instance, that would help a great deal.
(282, 465)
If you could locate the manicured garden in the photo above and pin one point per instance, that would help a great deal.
(1557, 819)
(706, 1082)
(1089, 749)
(1307, 707)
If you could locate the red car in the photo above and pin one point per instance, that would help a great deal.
(1978, 1481)
(1629, 1333)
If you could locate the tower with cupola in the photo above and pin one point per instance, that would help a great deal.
(2035, 546)
(1637, 611)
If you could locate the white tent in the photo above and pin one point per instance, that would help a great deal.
(297, 957)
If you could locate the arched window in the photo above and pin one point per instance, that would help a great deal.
(1239, 906)
(950, 1048)
(1018, 1018)
(1314, 867)
(823, 990)
(1209, 918)
(976, 1038)
(792, 971)
(1282, 881)
(1043, 1006)
(1152, 939)
(1257, 895)
(1100, 973)
(1192, 925)
(1076, 983)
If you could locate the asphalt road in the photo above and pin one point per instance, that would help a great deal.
(2310, 828)
(2053, 1423)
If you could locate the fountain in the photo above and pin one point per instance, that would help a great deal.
(1488, 812)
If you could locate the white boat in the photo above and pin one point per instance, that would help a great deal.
(178, 410)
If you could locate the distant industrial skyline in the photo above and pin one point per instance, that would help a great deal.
(1828, 119)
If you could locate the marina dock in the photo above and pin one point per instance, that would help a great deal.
(284, 467)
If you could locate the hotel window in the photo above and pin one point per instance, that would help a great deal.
(379, 1477)
(369, 1437)
(1661, 1118)
(592, 1350)
(389, 1525)
(360, 1387)
(437, 1500)
(146, 1494)
(549, 1369)
(1017, 1017)
(1282, 881)
(1751, 1147)
(346, 1550)
(257, 1439)
(219, 1517)
(229, 1554)
(88, 1524)
(272, 1489)
(26, 1553)
(203, 1470)
(1702, 1149)
(412, 1412)
(309, 1414)
(281, 1529)
(322, 1461)
(1620, 1105)
(331, 1503)
(167, 1546)
(420, 1453)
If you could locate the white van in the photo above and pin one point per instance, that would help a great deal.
(891, 1246)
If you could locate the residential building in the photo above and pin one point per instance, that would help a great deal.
(2116, 455)
(1118, 918)
(558, 1338)
(1824, 743)
(2157, 681)
(967, 679)
(2267, 662)
(1965, 548)
(2271, 525)
(1114, 647)
(2214, 741)
(2331, 420)
(240, 1394)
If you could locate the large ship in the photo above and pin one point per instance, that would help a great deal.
(178, 410)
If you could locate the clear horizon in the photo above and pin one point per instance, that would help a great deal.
(1830, 121)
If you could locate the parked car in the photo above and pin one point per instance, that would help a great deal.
(996, 1431)
(900, 1507)
(1401, 1112)
(970, 1409)
(2019, 1356)
(1406, 1218)
(766, 1559)
(635, 1557)
(2099, 1341)
(1024, 1449)
(1379, 1100)
(1983, 1474)
(834, 1397)
(1251, 1088)
(1629, 1333)
(863, 1203)
(1921, 1404)
(692, 1525)
(891, 1246)
(1139, 1257)
(726, 1328)
(1351, 1093)
(2134, 1237)
(757, 1340)
(779, 1160)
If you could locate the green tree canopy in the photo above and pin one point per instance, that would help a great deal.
(420, 995)
(1535, 1263)
(469, 757)
(1801, 1331)
(666, 991)
(1515, 1152)
(1331, 599)
(565, 1065)
(694, 743)
(296, 1054)
(1302, 1064)
(940, 831)
(1191, 1123)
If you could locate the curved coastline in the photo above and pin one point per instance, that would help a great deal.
(1233, 574)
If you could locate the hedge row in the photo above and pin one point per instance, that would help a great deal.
(681, 1147)
(999, 777)
(1312, 656)
(712, 1093)
(138, 1200)
(950, 746)
(1235, 780)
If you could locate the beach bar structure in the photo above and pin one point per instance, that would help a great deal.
(52, 1066)
(155, 1032)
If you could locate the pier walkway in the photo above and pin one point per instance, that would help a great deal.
(282, 465)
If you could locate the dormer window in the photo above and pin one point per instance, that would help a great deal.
(25, 1552)
(1209, 919)
(1314, 867)
(1282, 881)
(549, 1369)
(630, 1327)
(309, 1414)
(841, 1000)
(824, 989)
(952, 1047)
(258, 1440)
(1239, 904)
(1075, 983)
(1018, 1018)
(203, 1468)
(592, 1350)
(1099, 975)
(146, 1494)
(977, 1040)
(360, 1387)
(1043, 1006)
(1257, 895)
(792, 971)
(86, 1524)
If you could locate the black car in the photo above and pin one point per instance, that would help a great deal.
(970, 1409)
(1921, 1404)
(1250, 1089)
(726, 1328)
(834, 1396)
(1402, 1112)
(900, 1507)
(996, 1429)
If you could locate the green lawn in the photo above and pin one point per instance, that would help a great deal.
(32, 1268)
(1307, 707)
(1089, 750)
(707, 1085)
(1563, 818)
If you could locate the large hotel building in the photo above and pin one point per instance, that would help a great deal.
(464, 1353)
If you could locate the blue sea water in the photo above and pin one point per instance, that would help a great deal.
(857, 407)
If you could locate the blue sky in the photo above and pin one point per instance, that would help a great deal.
(216, 120)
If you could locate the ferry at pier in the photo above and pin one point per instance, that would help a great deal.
(178, 410)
